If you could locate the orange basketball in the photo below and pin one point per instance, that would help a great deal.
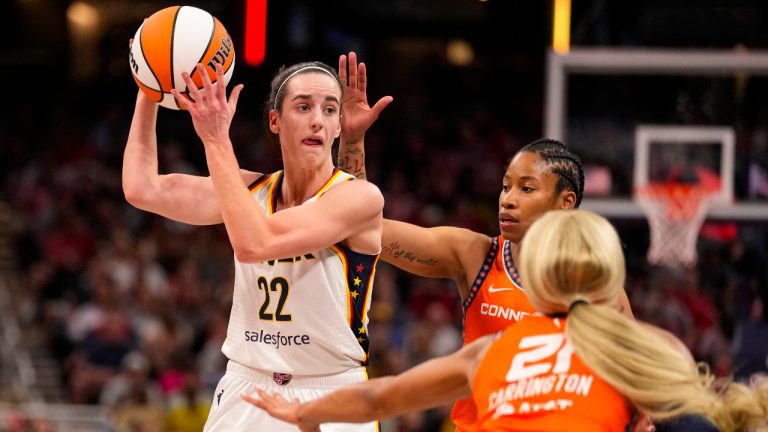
(174, 40)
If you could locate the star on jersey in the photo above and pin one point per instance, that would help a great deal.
(359, 278)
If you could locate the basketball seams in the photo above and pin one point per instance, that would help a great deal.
(231, 59)
(170, 60)
(149, 65)
(156, 58)
(207, 46)
(158, 33)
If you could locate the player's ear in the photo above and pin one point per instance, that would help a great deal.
(567, 200)
(274, 126)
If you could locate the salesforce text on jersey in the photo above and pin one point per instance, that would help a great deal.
(276, 339)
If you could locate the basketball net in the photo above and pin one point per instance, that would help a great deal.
(675, 213)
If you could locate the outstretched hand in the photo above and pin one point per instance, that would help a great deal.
(280, 408)
(356, 115)
(210, 110)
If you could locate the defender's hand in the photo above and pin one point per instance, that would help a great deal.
(280, 408)
(356, 115)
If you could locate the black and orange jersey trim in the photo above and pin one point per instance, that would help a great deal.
(509, 265)
(331, 181)
(275, 186)
(490, 257)
(256, 184)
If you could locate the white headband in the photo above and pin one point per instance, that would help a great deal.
(305, 68)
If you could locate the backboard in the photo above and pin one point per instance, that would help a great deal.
(702, 155)
(633, 115)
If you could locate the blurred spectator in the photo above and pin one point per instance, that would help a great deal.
(133, 383)
(99, 356)
(137, 415)
(709, 343)
(750, 350)
(445, 338)
(661, 305)
(189, 406)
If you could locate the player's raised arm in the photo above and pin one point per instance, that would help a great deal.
(442, 252)
(184, 198)
(434, 252)
(181, 197)
(357, 116)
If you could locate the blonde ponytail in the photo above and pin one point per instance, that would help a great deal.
(660, 380)
(745, 408)
(567, 256)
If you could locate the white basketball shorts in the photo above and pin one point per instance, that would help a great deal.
(230, 413)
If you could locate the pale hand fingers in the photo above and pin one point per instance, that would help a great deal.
(352, 70)
(381, 104)
(183, 100)
(253, 401)
(362, 78)
(265, 401)
(207, 84)
(194, 93)
(343, 70)
(233, 98)
(274, 398)
(221, 87)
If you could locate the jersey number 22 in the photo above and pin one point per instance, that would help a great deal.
(277, 284)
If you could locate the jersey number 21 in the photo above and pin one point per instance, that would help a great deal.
(535, 360)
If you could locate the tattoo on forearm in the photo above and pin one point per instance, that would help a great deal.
(394, 250)
(354, 165)
(351, 148)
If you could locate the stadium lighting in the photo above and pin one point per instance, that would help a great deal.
(255, 32)
(561, 27)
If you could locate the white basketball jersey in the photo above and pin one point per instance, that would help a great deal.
(304, 315)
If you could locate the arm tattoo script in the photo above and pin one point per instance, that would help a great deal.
(353, 161)
(397, 252)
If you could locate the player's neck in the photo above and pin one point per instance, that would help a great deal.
(301, 183)
(515, 253)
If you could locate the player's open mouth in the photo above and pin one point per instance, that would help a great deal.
(507, 220)
(312, 141)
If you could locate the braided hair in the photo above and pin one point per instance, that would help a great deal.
(557, 158)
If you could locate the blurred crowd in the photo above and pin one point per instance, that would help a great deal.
(135, 307)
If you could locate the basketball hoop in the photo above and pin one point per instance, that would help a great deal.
(675, 213)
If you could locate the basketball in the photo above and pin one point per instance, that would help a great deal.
(174, 40)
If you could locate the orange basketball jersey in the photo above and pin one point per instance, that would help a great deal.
(495, 300)
(531, 380)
